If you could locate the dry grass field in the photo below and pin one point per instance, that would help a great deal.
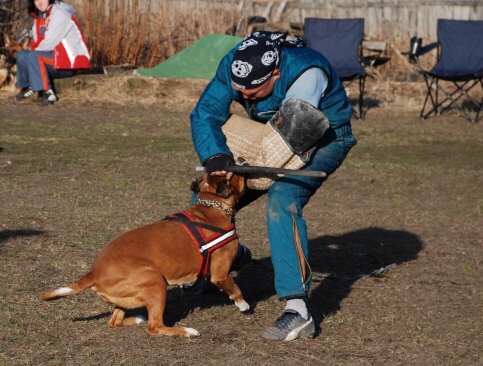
(115, 153)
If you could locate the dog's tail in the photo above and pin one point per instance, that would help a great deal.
(73, 288)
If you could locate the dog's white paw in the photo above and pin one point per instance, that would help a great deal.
(243, 306)
(62, 291)
(140, 319)
(190, 332)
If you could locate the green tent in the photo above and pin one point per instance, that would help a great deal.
(198, 61)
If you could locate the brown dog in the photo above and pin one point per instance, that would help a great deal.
(135, 269)
(8, 67)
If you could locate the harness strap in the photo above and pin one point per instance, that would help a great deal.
(206, 245)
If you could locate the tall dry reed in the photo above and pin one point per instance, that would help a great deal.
(144, 33)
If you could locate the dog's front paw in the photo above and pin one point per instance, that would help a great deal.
(243, 306)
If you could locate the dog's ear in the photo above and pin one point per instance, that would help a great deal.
(223, 189)
(238, 185)
(195, 186)
(7, 39)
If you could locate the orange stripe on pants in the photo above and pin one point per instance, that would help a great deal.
(43, 61)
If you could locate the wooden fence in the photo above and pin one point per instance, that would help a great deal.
(388, 18)
(383, 18)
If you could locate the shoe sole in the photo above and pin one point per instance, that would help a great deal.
(23, 99)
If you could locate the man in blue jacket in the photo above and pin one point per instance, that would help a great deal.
(262, 73)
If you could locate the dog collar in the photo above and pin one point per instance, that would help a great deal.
(218, 204)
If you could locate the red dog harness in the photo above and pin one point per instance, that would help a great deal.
(206, 245)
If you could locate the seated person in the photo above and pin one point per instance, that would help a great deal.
(58, 49)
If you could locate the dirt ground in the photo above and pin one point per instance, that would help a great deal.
(116, 154)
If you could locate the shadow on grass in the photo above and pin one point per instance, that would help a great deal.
(367, 104)
(343, 257)
(12, 234)
(346, 257)
(255, 281)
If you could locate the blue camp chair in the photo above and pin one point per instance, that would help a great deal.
(458, 70)
(340, 40)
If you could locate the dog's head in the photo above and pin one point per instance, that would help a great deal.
(228, 191)
(8, 61)
(12, 48)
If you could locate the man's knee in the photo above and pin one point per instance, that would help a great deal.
(282, 205)
(284, 193)
(22, 57)
(279, 198)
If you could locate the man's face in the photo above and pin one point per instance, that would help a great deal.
(261, 91)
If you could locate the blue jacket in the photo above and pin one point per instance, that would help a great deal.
(213, 107)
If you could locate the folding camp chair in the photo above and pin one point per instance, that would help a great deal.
(459, 68)
(340, 40)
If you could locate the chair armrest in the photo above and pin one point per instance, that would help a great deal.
(374, 60)
(424, 50)
(420, 51)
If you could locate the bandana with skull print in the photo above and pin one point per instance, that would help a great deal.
(257, 57)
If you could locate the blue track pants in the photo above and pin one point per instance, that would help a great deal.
(36, 69)
(285, 223)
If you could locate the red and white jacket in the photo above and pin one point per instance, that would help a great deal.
(60, 33)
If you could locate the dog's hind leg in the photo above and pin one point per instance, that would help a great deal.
(155, 304)
(231, 288)
(118, 319)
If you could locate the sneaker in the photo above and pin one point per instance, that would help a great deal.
(289, 326)
(48, 97)
(242, 258)
(25, 93)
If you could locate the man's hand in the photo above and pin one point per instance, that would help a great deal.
(219, 165)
